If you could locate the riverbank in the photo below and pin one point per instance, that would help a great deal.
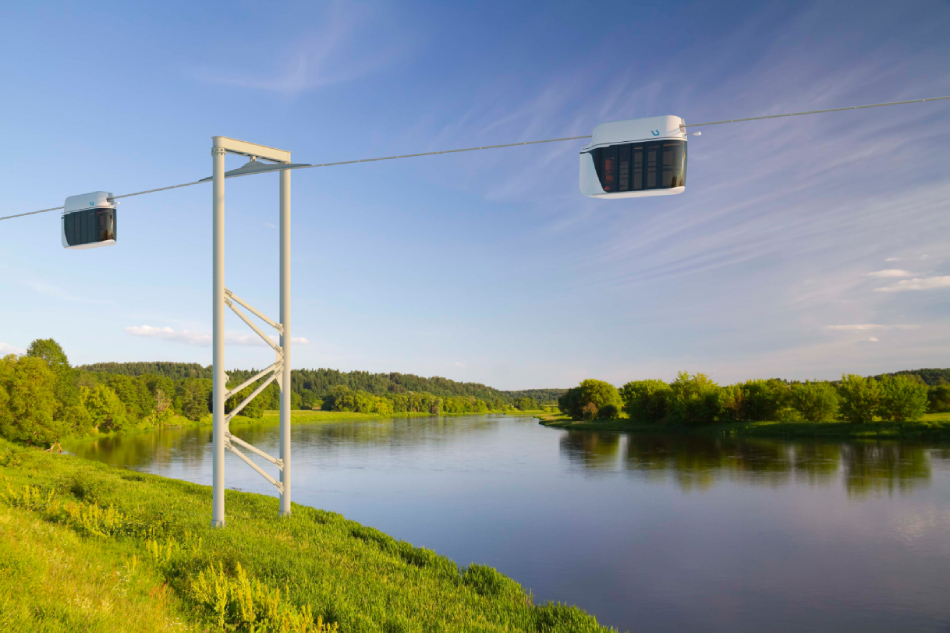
(932, 427)
(297, 416)
(92, 547)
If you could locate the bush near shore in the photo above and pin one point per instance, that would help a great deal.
(695, 400)
(85, 546)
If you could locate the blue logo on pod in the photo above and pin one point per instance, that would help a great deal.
(655, 132)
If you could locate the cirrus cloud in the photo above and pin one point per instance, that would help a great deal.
(918, 283)
(867, 327)
(891, 272)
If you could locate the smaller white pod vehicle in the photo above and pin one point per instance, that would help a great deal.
(89, 220)
(635, 158)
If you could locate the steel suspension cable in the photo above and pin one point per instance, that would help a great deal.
(778, 116)
(475, 149)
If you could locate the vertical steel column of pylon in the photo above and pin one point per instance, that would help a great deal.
(285, 340)
(217, 514)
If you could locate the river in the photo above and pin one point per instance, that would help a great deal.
(648, 533)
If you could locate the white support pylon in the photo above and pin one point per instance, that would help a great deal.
(219, 380)
(285, 385)
(222, 437)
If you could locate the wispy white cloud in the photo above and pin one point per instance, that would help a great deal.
(188, 337)
(202, 339)
(458, 364)
(920, 283)
(891, 272)
(10, 349)
(872, 340)
(893, 259)
(866, 327)
(335, 52)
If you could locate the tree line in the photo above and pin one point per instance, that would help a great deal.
(43, 398)
(321, 381)
(694, 399)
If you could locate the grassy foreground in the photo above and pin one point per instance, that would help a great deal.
(932, 427)
(84, 546)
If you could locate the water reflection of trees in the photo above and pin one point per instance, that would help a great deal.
(160, 448)
(883, 467)
(189, 447)
(697, 462)
(595, 451)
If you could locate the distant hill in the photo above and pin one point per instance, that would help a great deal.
(931, 377)
(321, 381)
(175, 371)
(542, 396)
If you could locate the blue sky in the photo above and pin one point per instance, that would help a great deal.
(801, 248)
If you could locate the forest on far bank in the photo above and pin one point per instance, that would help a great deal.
(695, 399)
(43, 398)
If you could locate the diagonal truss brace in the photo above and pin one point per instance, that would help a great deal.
(228, 439)
(254, 394)
(256, 329)
(276, 326)
(275, 372)
(276, 367)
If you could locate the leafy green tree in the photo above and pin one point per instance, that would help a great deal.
(763, 399)
(732, 400)
(134, 394)
(859, 398)
(309, 400)
(816, 401)
(77, 418)
(902, 399)
(526, 404)
(646, 401)
(28, 405)
(383, 406)
(194, 394)
(938, 399)
(50, 351)
(695, 400)
(585, 400)
(155, 383)
(755, 400)
(106, 410)
(608, 412)
(400, 403)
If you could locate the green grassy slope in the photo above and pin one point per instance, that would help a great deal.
(82, 542)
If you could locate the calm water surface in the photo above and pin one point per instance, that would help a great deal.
(647, 533)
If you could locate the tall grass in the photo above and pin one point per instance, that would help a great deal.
(312, 571)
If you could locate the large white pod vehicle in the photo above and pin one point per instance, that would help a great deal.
(635, 158)
(89, 220)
